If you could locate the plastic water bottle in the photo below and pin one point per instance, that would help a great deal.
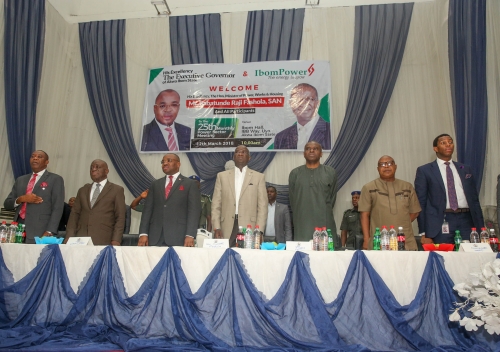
(11, 233)
(393, 239)
(256, 237)
(485, 237)
(401, 239)
(384, 239)
(316, 235)
(474, 236)
(248, 237)
(458, 240)
(331, 244)
(3, 232)
(376, 239)
(323, 240)
(493, 241)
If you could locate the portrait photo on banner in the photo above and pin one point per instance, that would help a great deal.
(266, 106)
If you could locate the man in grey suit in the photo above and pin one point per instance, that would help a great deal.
(279, 226)
(172, 210)
(99, 209)
(38, 199)
(239, 198)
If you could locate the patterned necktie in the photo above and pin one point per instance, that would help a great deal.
(171, 139)
(29, 189)
(95, 195)
(169, 186)
(450, 181)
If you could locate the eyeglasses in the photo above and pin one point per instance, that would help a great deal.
(169, 161)
(387, 164)
(166, 106)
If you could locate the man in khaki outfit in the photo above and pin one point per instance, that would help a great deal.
(388, 201)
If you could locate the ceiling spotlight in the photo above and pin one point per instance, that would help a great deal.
(161, 7)
(312, 2)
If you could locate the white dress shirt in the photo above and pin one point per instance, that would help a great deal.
(239, 176)
(165, 133)
(462, 201)
(304, 132)
(39, 175)
(271, 210)
(92, 189)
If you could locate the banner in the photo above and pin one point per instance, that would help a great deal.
(266, 106)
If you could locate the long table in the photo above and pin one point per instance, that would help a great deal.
(197, 298)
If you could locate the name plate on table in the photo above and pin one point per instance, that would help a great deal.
(216, 243)
(298, 246)
(475, 247)
(80, 241)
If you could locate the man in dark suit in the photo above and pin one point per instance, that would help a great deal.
(309, 126)
(279, 226)
(99, 209)
(172, 210)
(38, 199)
(163, 133)
(448, 195)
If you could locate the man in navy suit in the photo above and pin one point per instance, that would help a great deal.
(309, 126)
(172, 210)
(163, 133)
(448, 195)
(38, 199)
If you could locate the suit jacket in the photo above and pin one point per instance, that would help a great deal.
(431, 193)
(174, 218)
(252, 205)
(287, 139)
(105, 221)
(153, 140)
(44, 216)
(282, 223)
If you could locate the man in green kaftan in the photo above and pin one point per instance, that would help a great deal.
(312, 192)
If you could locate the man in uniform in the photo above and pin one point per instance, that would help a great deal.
(388, 201)
(206, 208)
(351, 235)
(312, 191)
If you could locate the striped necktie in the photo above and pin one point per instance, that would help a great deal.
(169, 186)
(172, 145)
(29, 189)
(95, 195)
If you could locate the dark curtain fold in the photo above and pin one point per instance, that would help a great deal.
(24, 39)
(379, 45)
(198, 40)
(102, 46)
(467, 60)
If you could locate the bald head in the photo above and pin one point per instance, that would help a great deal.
(98, 170)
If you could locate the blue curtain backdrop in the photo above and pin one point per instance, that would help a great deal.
(24, 39)
(41, 311)
(102, 46)
(467, 61)
(379, 44)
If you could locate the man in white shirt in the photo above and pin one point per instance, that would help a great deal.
(309, 126)
(38, 199)
(163, 133)
(448, 196)
(239, 198)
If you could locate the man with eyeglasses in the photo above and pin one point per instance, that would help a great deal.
(309, 126)
(163, 133)
(172, 210)
(388, 201)
(448, 196)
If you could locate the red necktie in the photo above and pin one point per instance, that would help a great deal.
(171, 139)
(450, 183)
(169, 186)
(29, 189)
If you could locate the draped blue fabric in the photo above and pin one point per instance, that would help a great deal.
(228, 313)
(467, 61)
(379, 44)
(24, 38)
(102, 47)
